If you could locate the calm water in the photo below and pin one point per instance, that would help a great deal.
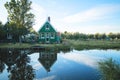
(43, 65)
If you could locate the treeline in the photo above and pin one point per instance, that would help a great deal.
(97, 36)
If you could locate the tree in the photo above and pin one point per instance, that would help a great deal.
(18, 13)
(111, 35)
(103, 36)
(76, 35)
(2, 31)
(90, 36)
(12, 29)
(97, 36)
(118, 35)
(1, 26)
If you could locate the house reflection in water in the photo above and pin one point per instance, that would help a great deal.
(47, 59)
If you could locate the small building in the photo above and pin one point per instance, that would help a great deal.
(48, 34)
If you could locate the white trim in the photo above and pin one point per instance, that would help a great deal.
(42, 35)
(52, 35)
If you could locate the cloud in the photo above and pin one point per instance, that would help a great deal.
(40, 15)
(48, 78)
(3, 12)
(81, 58)
(96, 13)
(103, 28)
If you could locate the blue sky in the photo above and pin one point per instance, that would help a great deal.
(84, 16)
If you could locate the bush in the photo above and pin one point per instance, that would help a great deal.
(109, 69)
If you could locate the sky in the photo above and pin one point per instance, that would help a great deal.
(84, 16)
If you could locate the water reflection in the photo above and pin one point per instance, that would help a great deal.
(47, 59)
(2, 65)
(17, 62)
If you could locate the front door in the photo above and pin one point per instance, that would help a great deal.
(47, 40)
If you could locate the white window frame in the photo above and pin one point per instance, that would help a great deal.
(47, 35)
(42, 35)
(52, 35)
(47, 27)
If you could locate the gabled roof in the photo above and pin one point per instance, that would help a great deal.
(47, 22)
(51, 62)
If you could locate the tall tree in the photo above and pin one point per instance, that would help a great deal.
(1, 26)
(19, 13)
(2, 31)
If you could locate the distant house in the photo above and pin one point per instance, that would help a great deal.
(47, 33)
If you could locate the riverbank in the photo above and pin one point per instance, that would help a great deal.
(37, 45)
(95, 44)
(68, 44)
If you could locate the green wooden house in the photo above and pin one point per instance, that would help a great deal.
(48, 34)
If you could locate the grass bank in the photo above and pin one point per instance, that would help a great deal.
(29, 45)
(68, 44)
(94, 44)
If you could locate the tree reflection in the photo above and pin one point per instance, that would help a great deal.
(2, 66)
(22, 70)
(18, 65)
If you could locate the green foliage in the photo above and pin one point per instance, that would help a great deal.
(97, 36)
(110, 70)
(18, 13)
(112, 35)
(1, 30)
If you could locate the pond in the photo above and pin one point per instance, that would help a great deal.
(53, 65)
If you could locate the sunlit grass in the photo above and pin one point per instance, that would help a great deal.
(95, 44)
(29, 45)
(67, 44)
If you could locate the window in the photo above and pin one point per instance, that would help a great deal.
(47, 35)
(9, 36)
(52, 35)
(42, 35)
(47, 27)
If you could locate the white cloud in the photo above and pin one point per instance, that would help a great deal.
(40, 15)
(104, 28)
(48, 78)
(97, 13)
(82, 58)
(3, 12)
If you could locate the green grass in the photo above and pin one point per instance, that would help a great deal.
(68, 44)
(48, 47)
(95, 44)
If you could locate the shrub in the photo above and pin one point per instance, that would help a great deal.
(109, 69)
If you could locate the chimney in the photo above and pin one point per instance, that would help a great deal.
(49, 19)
